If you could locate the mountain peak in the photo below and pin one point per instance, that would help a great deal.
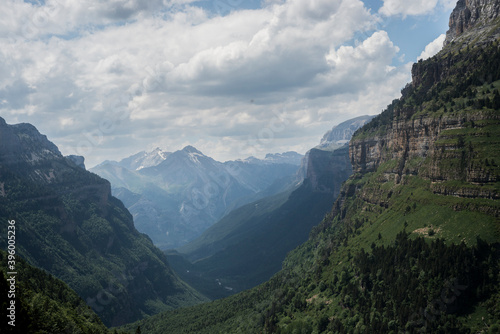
(191, 149)
(473, 18)
(144, 159)
(159, 152)
(22, 143)
(342, 133)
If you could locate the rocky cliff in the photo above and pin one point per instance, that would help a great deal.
(327, 170)
(443, 129)
(31, 156)
(474, 19)
(68, 224)
(320, 160)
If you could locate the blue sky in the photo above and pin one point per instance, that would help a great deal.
(234, 78)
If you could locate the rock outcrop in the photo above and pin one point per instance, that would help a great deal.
(326, 171)
(470, 15)
(77, 160)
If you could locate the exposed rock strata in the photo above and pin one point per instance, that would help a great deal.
(469, 14)
(426, 143)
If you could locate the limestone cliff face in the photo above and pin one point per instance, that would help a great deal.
(30, 155)
(423, 140)
(327, 170)
(473, 23)
(469, 14)
(443, 121)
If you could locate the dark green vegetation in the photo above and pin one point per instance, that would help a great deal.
(248, 245)
(410, 285)
(413, 242)
(43, 304)
(68, 224)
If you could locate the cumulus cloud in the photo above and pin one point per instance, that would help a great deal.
(102, 77)
(353, 67)
(433, 47)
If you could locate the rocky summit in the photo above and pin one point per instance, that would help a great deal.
(474, 19)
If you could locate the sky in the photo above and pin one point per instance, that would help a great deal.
(233, 78)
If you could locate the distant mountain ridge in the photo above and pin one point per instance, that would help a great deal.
(174, 197)
(341, 134)
(145, 159)
(139, 160)
(291, 157)
(247, 246)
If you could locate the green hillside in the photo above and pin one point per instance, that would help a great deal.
(42, 303)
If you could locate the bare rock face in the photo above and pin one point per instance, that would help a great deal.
(29, 154)
(415, 138)
(327, 170)
(469, 14)
(418, 139)
(77, 160)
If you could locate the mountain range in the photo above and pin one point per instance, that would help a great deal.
(248, 245)
(412, 243)
(397, 231)
(68, 224)
(174, 197)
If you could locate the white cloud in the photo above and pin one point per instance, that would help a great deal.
(404, 7)
(414, 7)
(352, 68)
(433, 47)
(131, 76)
